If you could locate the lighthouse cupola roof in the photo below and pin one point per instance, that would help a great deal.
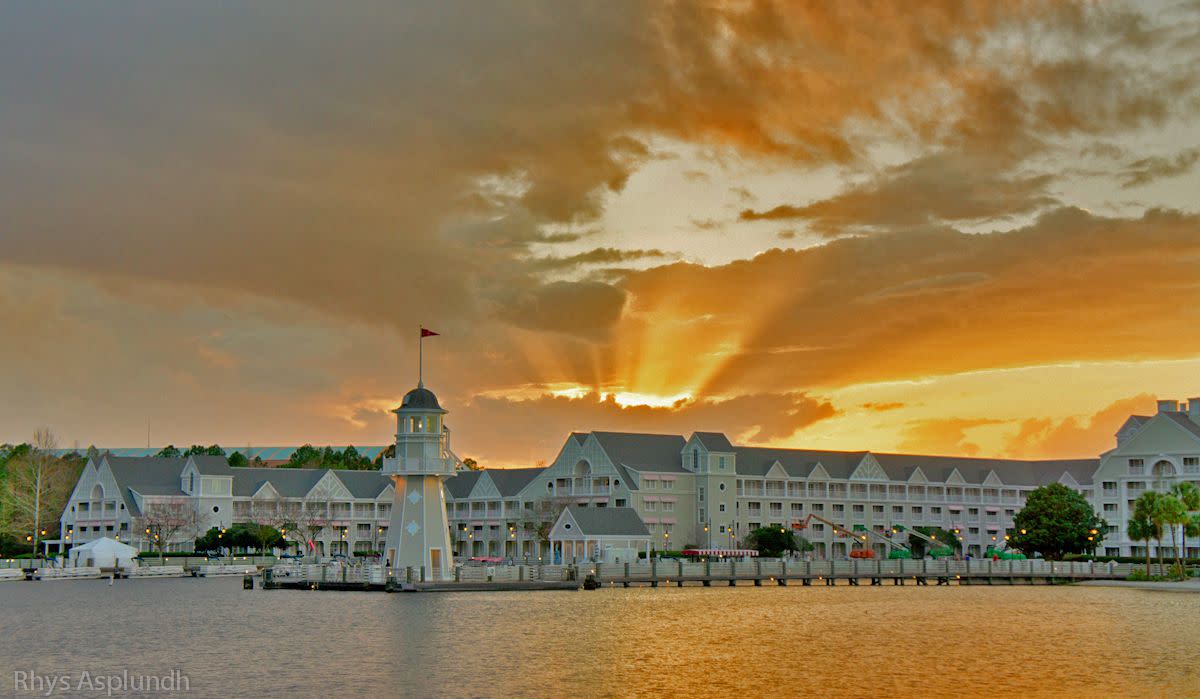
(420, 398)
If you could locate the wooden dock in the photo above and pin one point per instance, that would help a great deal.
(704, 573)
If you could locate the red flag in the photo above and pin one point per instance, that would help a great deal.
(428, 333)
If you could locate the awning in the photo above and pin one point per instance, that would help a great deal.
(727, 553)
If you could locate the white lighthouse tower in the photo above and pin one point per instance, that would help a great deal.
(419, 535)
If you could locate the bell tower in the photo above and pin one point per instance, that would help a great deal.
(419, 535)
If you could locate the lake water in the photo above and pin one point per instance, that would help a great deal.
(719, 641)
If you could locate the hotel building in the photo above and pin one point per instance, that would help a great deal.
(701, 491)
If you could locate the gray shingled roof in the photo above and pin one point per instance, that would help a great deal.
(608, 521)
(975, 470)
(363, 484)
(155, 473)
(714, 441)
(756, 461)
(626, 479)
(510, 481)
(211, 465)
(643, 452)
(460, 485)
(289, 482)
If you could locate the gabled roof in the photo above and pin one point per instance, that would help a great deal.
(149, 473)
(799, 463)
(627, 479)
(756, 461)
(1185, 422)
(363, 484)
(643, 452)
(1011, 472)
(460, 484)
(714, 441)
(607, 521)
(211, 465)
(288, 482)
(579, 437)
(510, 481)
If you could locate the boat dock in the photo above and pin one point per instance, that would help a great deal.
(705, 573)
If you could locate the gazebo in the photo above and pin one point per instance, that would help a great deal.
(606, 534)
(103, 553)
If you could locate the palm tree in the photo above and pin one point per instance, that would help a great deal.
(1174, 516)
(1189, 495)
(1149, 506)
(1142, 529)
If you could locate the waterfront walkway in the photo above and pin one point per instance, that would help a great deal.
(707, 573)
(1189, 585)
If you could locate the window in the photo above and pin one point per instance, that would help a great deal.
(721, 486)
(619, 503)
(651, 506)
(818, 528)
(701, 492)
(1191, 464)
(721, 463)
(839, 508)
(668, 485)
(722, 528)
(877, 509)
(721, 507)
(696, 460)
(818, 507)
(974, 531)
(1137, 467)
(668, 507)
(216, 508)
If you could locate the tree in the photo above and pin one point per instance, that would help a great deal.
(1192, 528)
(212, 450)
(169, 452)
(303, 523)
(35, 487)
(307, 456)
(772, 542)
(1189, 495)
(471, 464)
(238, 460)
(164, 520)
(1175, 515)
(1056, 520)
(1149, 506)
(540, 518)
(1140, 528)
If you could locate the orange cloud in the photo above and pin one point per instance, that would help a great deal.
(1072, 436)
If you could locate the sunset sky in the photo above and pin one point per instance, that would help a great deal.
(959, 228)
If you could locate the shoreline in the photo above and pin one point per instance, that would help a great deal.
(1192, 585)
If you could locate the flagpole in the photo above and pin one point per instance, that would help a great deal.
(421, 358)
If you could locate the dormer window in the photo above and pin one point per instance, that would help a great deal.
(696, 460)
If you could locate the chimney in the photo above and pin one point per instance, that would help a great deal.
(1194, 408)
(1168, 406)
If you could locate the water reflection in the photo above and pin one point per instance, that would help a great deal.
(770, 641)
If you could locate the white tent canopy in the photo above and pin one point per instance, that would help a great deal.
(103, 553)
